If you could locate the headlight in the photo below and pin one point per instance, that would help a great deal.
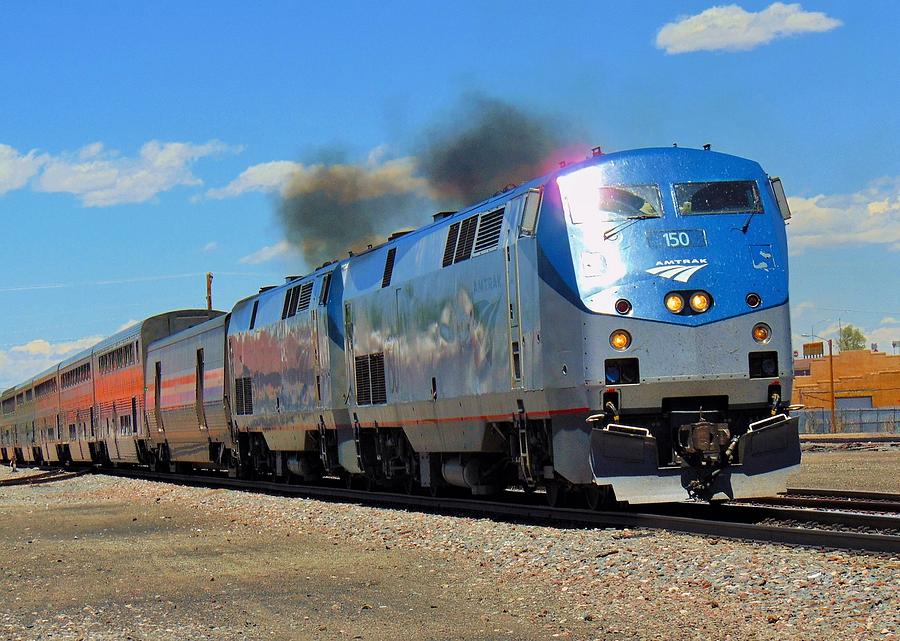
(700, 302)
(762, 333)
(674, 303)
(620, 340)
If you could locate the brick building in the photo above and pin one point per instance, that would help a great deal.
(862, 379)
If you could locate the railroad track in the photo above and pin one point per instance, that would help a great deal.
(50, 476)
(834, 500)
(816, 528)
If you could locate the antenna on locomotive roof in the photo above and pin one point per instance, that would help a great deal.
(707, 147)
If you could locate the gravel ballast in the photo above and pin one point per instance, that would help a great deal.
(107, 558)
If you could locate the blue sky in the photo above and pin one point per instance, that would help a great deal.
(142, 145)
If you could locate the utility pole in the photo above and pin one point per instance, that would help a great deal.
(209, 279)
(831, 377)
(831, 368)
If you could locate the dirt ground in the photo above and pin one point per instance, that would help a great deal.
(852, 466)
(114, 570)
(99, 558)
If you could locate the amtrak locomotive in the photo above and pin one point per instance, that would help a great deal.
(618, 328)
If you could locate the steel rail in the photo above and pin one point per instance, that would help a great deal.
(715, 523)
(827, 503)
(845, 494)
(42, 477)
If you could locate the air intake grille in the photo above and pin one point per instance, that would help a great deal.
(450, 248)
(305, 296)
(376, 372)
(489, 231)
(243, 396)
(466, 239)
(363, 381)
(371, 386)
(388, 267)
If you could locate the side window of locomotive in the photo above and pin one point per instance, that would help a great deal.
(720, 197)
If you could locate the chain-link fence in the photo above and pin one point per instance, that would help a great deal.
(818, 421)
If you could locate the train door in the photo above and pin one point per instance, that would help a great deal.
(157, 396)
(513, 216)
(348, 350)
(320, 339)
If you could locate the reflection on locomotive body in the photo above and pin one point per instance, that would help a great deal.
(616, 329)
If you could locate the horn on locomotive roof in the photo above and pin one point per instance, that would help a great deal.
(707, 147)
(596, 151)
(442, 214)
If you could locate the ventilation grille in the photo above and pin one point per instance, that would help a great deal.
(243, 396)
(296, 299)
(371, 386)
(305, 296)
(474, 234)
(450, 248)
(376, 372)
(363, 381)
(388, 267)
(466, 239)
(489, 231)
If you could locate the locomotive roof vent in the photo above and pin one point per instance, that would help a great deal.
(441, 215)
(398, 234)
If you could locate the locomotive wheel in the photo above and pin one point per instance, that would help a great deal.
(556, 493)
(597, 497)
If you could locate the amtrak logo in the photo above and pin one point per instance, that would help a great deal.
(678, 270)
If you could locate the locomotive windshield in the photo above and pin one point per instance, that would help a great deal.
(723, 197)
(586, 201)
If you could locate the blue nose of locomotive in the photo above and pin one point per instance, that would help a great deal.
(687, 238)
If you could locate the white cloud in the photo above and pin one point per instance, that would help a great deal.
(370, 179)
(209, 247)
(266, 177)
(890, 320)
(270, 252)
(870, 216)
(882, 336)
(17, 169)
(21, 362)
(100, 178)
(732, 28)
(126, 325)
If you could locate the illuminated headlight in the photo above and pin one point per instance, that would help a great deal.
(700, 302)
(620, 340)
(762, 333)
(674, 303)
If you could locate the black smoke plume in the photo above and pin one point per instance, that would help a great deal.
(486, 145)
(331, 207)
